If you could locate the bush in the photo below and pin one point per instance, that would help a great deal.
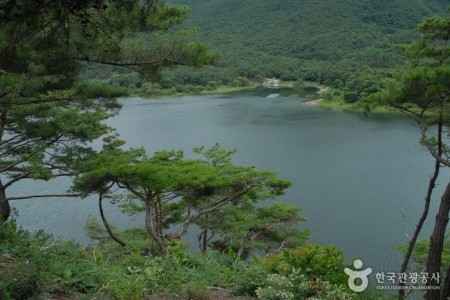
(322, 262)
(33, 263)
(100, 90)
(20, 262)
(212, 85)
(298, 286)
(351, 97)
(19, 279)
(197, 291)
(240, 82)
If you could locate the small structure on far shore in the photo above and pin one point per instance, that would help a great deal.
(272, 82)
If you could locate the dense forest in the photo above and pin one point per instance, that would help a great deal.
(64, 63)
(305, 39)
(347, 45)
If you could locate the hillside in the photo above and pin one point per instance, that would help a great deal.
(316, 40)
(348, 44)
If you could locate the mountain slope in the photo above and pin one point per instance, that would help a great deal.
(305, 38)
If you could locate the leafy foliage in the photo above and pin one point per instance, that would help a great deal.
(323, 262)
(176, 193)
(321, 41)
(38, 266)
(46, 119)
(420, 254)
(298, 286)
(244, 227)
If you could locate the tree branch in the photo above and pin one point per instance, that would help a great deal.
(251, 241)
(105, 222)
(44, 196)
(133, 64)
(436, 154)
(15, 179)
(194, 216)
(37, 101)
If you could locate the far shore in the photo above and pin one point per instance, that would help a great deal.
(332, 104)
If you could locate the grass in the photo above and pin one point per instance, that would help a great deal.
(336, 104)
(225, 89)
(355, 107)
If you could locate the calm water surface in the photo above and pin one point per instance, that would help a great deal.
(359, 180)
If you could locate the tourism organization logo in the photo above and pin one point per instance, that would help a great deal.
(358, 279)
(362, 275)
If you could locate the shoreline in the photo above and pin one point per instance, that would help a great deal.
(219, 90)
(225, 89)
(349, 107)
(321, 102)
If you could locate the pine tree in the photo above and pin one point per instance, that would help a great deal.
(423, 93)
(45, 124)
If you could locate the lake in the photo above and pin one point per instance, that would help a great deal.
(359, 180)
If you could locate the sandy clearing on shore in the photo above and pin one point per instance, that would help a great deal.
(311, 103)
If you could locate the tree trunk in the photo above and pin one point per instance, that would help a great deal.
(431, 185)
(5, 209)
(205, 241)
(446, 290)
(204, 235)
(437, 244)
(160, 217)
(202, 240)
(250, 242)
(105, 222)
(412, 242)
(155, 236)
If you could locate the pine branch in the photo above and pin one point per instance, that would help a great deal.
(45, 196)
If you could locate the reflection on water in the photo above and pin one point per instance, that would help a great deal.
(353, 176)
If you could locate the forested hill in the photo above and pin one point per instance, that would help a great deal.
(345, 44)
(314, 39)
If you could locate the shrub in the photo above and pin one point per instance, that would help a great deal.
(100, 90)
(298, 286)
(351, 97)
(197, 291)
(19, 280)
(322, 262)
(240, 82)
